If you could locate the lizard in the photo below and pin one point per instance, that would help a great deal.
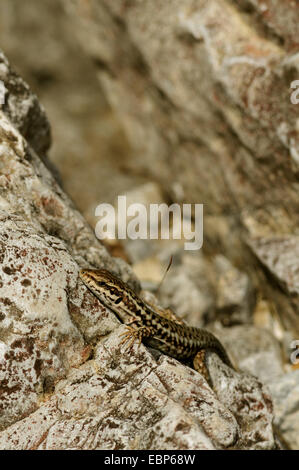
(162, 331)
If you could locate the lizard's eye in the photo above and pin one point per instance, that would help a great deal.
(117, 301)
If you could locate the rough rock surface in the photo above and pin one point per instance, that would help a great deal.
(129, 400)
(285, 393)
(64, 381)
(205, 87)
(254, 350)
(216, 290)
(23, 109)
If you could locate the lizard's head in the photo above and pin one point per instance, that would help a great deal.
(108, 288)
(96, 277)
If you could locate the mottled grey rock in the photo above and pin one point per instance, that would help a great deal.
(280, 255)
(66, 383)
(254, 350)
(24, 110)
(188, 288)
(211, 101)
(128, 400)
(41, 308)
(249, 401)
(235, 293)
(39, 342)
(217, 291)
(285, 394)
(28, 189)
(280, 16)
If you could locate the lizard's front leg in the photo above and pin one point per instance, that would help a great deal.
(131, 334)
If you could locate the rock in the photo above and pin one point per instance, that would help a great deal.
(65, 381)
(280, 256)
(40, 341)
(281, 20)
(23, 109)
(146, 194)
(217, 291)
(249, 401)
(88, 140)
(191, 275)
(254, 350)
(128, 400)
(29, 190)
(149, 271)
(285, 393)
(235, 294)
(210, 116)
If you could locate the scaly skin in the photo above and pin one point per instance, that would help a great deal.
(170, 336)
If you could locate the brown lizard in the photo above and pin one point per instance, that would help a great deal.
(161, 331)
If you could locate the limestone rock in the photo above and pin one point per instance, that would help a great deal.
(285, 393)
(204, 88)
(235, 293)
(254, 350)
(66, 383)
(23, 109)
(129, 400)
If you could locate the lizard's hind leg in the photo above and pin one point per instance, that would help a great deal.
(199, 364)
